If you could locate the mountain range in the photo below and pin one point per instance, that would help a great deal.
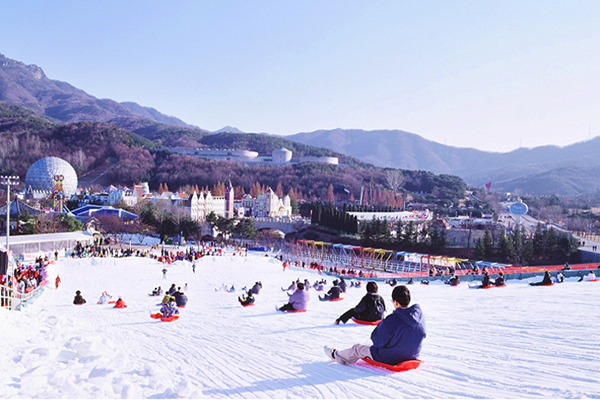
(570, 170)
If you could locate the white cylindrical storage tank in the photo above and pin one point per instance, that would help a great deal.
(281, 156)
(324, 160)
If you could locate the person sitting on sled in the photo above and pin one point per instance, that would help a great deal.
(487, 281)
(500, 280)
(370, 308)
(454, 281)
(333, 293)
(256, 288)
(169, 308)
(343, 285)
(589, 277)
(104, 297)
(78, 298)
(298, 300)
(247, 299)
(120, 303)
(180, 298)
(397, 338)
(546, 281)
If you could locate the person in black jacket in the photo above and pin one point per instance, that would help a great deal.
(500, 280)
(78, 298)
(342, 285)
(546, 281)
(333, 293)
(487, 281)
(370, 308)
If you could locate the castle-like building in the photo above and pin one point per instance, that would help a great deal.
(199, 205)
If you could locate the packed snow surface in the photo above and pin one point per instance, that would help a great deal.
(513, 342)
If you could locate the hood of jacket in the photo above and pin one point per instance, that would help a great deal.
(411, 316)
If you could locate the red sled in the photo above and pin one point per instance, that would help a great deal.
(156, 315)
(295, 311)
(338, 299)
(171, 318)
(180, 306)
(403, 366)
(247, 305)
(361, 322)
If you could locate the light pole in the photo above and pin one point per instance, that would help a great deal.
(8, 181)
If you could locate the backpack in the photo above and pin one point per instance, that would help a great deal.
(379, 305)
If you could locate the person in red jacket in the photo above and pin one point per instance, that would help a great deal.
(57, 281)
(120, 303)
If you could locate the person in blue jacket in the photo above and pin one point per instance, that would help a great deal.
(397, 338)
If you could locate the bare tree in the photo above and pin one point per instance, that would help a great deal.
(394, 178)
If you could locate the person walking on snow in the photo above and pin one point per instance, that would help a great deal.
(397, 338)
(57, 281)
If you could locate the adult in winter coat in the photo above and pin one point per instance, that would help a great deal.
(172, 290)
(333, 293)
(370, 308)
(78, 298)
(298, 300)
(104, 298)
(343, 285)
(256, 288)
(546, 281)
(487, 281)
(397, 338)
(500, 280)
(181, 299)
(120, 303)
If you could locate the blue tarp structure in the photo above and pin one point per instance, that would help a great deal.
(94, 211)
(258, 248)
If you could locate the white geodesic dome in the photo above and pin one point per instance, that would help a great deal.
(40, 176)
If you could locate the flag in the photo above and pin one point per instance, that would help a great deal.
(488, 186)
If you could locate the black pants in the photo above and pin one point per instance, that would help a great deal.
(287, 307)
(347, 315)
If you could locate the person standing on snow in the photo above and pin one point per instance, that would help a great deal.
(397, 338)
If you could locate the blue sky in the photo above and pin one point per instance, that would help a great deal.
(494, 75)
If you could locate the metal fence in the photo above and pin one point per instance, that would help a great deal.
(12, 300)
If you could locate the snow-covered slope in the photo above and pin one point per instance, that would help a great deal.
(517, 341)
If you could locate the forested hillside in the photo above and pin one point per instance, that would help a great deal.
(127, 158)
